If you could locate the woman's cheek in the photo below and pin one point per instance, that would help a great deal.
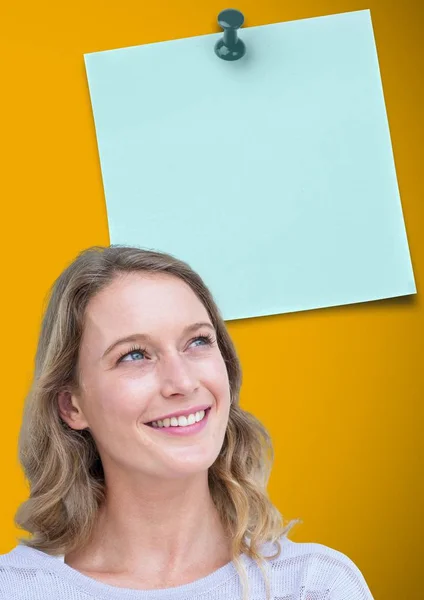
(134, 394)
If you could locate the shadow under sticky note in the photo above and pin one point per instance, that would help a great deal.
(272, 176)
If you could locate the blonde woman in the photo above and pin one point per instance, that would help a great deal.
(147, 479)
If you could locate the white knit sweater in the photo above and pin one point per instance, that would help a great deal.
(304, 571)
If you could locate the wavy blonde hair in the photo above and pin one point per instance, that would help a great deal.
(63, 466)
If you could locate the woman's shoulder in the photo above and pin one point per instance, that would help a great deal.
(317, 566)
(300, 570)
(291, 549)
(24, 556)
(26, 570)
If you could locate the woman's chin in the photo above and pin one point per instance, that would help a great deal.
(190, 464)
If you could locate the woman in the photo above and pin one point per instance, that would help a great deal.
(148, 481)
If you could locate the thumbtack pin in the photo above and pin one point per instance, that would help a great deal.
(229, 47)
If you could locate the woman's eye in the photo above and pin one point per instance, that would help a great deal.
(206, 339)
(138, 351)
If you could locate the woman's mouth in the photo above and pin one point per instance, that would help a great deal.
(183, 425)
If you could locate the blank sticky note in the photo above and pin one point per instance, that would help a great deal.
(272, 176)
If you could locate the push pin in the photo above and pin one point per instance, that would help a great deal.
(229, 47)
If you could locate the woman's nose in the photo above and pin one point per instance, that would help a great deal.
(177, 376)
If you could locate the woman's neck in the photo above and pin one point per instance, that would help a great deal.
(169, 533)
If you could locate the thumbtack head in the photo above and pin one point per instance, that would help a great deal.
(229, 47)
(230, 17)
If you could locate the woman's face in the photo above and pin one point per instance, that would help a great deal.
(168, 367)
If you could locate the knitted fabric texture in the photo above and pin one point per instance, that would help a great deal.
(303, 571)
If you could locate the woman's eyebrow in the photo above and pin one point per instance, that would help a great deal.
(144, 336)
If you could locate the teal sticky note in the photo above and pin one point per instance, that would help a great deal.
(272, 176)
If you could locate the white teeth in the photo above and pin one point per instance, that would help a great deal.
(180, 421)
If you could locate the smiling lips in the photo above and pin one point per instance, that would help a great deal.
(188, 413)
(181, 421)
(182, 425)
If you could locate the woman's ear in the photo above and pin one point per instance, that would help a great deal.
(70, 410)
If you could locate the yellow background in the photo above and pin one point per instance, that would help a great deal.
(341, 389)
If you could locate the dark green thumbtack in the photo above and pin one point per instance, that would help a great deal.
(229, 47)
